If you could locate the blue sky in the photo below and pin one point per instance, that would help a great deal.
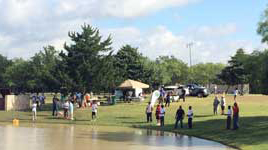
(157, 27)
(245, 14)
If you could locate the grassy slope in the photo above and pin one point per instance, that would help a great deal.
(253, 133)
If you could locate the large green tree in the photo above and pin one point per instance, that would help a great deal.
(171, 70)
(4, 64)
(205, 74)
(82, 59)
(43, 66)
(256, 68)
(129, 64)
(19, 76)
(235, 73)
(263, 26)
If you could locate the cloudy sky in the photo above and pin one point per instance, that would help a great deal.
(157, 27)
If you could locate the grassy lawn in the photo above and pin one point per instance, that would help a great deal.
(253, 132)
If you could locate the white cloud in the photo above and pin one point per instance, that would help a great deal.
(209, 32)
(32, 24)
(161, 41)
(221, 30)
(134, 8)
(28, 25)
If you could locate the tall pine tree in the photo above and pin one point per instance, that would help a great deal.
(83, 58)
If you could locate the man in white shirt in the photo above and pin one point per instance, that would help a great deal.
(148, 111)
(235, 93)
(162, 116)
(66, 109)
(229, 117)
(34, 110)
(190, 117)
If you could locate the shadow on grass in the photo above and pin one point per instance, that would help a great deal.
(197, 116)
(46, 107)
(139, 122)
(123, 117)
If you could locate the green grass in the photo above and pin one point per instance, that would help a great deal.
(253, 132)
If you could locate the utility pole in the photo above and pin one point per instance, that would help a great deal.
(189, 45)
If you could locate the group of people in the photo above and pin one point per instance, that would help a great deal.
(216, 104)
(67, 104)
(38, 100)
(165, 97)
(234, 111)
(160, 115)
(180, 114)
(83, 100)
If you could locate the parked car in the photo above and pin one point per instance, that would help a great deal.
(196, 90)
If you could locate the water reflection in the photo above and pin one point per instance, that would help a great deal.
(69, 137)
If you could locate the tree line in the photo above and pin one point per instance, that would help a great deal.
(89, 63)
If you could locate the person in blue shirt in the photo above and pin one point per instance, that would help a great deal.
(162, 95)
(79, 99)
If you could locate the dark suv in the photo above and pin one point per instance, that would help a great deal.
(199, 91)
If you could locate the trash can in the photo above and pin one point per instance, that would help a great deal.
(113, 100)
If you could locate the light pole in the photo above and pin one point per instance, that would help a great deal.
(189, 45)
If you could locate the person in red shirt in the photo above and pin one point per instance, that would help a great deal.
(235, 116)
(157, 113)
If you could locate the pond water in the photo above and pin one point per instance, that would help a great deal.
(76, 137)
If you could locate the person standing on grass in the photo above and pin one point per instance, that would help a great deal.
(65, 109)
(71, 110)
(34, 106)
(38, 101)
(179, 117)
(222, 103)
(183, 94)
(215, 89)
(235, 116)
(162, 116)
(43, 98)
(157, 114)
(229, 116)
(162, 95)
(190, 117)
(87, 97)
(149, 110)
(235, 93)
(33, 96)
(62, 98)
(94, 110)
(168, 99)
(55, 106)
(78, 96)
(215, 105)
